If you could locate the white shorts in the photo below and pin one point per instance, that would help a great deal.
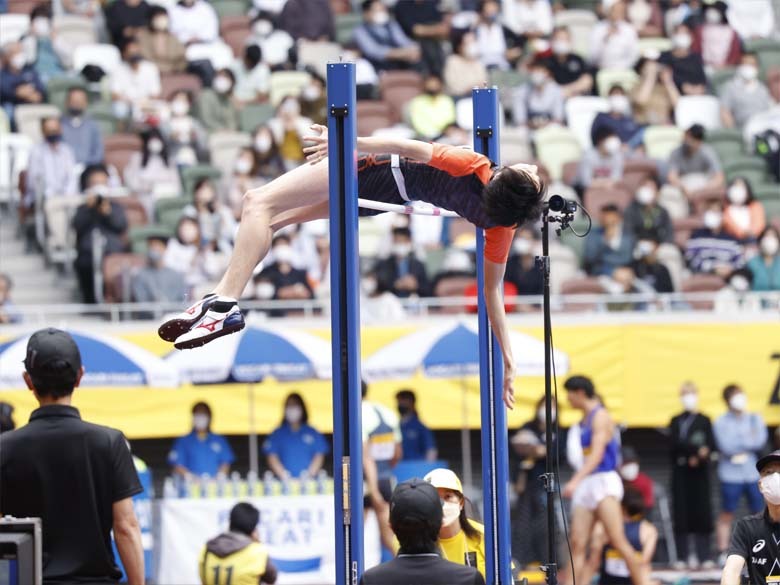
(597, 486)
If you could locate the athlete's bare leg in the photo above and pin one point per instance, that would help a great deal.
(611, 515)
(297, 196)
(582, 521)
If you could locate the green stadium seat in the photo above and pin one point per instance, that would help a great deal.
(225, 8)
(720, 78)
(345, 25)
(772, 210)
(139, 235)
(726, 142)
(167, 203)
(768, 59)
(766, 191)
(103, 114)
(191, 175)
(253, 115)
(758, 45)
(506, 80)
(752, 168)
(625, 78)
(57, 89)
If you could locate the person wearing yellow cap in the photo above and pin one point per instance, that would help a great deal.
(461, 539)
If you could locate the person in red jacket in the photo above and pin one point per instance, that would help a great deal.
(633, 477)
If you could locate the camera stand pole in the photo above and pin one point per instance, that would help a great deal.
(551, 567)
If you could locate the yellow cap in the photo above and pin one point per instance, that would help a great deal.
(445, 479)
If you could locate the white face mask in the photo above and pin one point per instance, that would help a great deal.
(738, 194)
(222, 84)
(293, 414)
(243, 166)
(770, 488)
(538, 78)
(402, 250)
(290, 108)
(200, 422)
(561, 47)
(155, 146)
(368, 285)
(620, 104)
(689, 401)
(451, 513)
(311, 93)
(41, 26)
(612, 144)
(180, 107)
(160, 23)
(263, 143)
(770, 245)
(682, 41)
(18, 61)
(262, 28)
(738, 402)
(644, 248)
(264, 290)
(471, 51)
(380, 18)
(521, 246)
(712, 219)
(283, 254)
(630, 471)
(739, 284)
(748, 72)
(645, 195)
(712, 16)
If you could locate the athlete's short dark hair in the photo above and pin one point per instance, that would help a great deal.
(244, 518)
(633, 502)
(512, 198)
(575, 383)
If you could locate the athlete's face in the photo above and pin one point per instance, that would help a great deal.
(531, 171)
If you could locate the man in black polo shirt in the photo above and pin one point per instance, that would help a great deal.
(415, 516)
(77, 477)
(755, 542)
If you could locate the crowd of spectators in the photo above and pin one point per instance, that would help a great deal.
(155, 134)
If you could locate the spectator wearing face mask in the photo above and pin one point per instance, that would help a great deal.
(289, 129)
(382, 41)
(186, 253)
(159, 46)
(253, 77)
(718, 43)
(402, 273)
(151, 168)
(646, 17)
(528, 459)
(695, 165)
(602, 165)
(618, 118)
(499, 48)
(201, 452)
(614, 43)
(752, 20)
(711, 249)
(648, 269)
(194, 21)
(19, 83)
(462, 69)
(275, 44)
(431, 112)
(314, 100)
(740, 436)
(692, 446)
(125, 19)
(243, 179)
(269, 159)
(50, 170)
(687, 67)
(184, 134)
(215, 107)
(635, 478)
(42, 47)
(608, 246)
(568, 69)
(744, 95)
(79, 129)
(645, 218)
(155, 282)
(418, 443)
(135, 81)
(97, 216)
(539, 101)
(287, 282)
(765, 266)
(654, 98)
(295, 449)
(521, 270)
(744, 217)
(217, 223)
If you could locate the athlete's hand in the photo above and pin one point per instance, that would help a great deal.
(568, 489)
(509, 390)
(319, 150)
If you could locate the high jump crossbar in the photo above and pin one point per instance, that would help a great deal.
(345, 326)
(406, 209)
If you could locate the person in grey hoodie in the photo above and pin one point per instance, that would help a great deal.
(237, 555)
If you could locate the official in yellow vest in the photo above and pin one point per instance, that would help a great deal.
(236, 557)
(461, 540)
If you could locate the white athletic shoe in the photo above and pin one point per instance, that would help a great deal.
(171, 329)
(211, 326)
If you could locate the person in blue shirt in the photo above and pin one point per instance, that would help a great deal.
(295, 449)
(618, 119)
(19, 82)
(418, 441)
(765, 266)
(79, 130)
(201, 452)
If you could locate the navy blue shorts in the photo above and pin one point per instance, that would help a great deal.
(376, 182)
(731, 493)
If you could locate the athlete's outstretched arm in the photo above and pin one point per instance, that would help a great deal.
(494, 302)
(414, 149)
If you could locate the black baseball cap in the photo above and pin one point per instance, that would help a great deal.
(767, 459)
(415, 500)
(51, 345)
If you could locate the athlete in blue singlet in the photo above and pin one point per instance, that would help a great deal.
(596, 489)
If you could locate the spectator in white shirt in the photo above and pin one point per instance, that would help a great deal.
(50, 171)
(252, 76)
(532, 18)
(272, 7)
(744, 95)
(614, 43)
(539, 101)
(194, 21)
(134, 82)
(754, 19)
(274, 44)
(497, 43)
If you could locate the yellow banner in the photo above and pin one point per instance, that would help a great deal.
(637, 368)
